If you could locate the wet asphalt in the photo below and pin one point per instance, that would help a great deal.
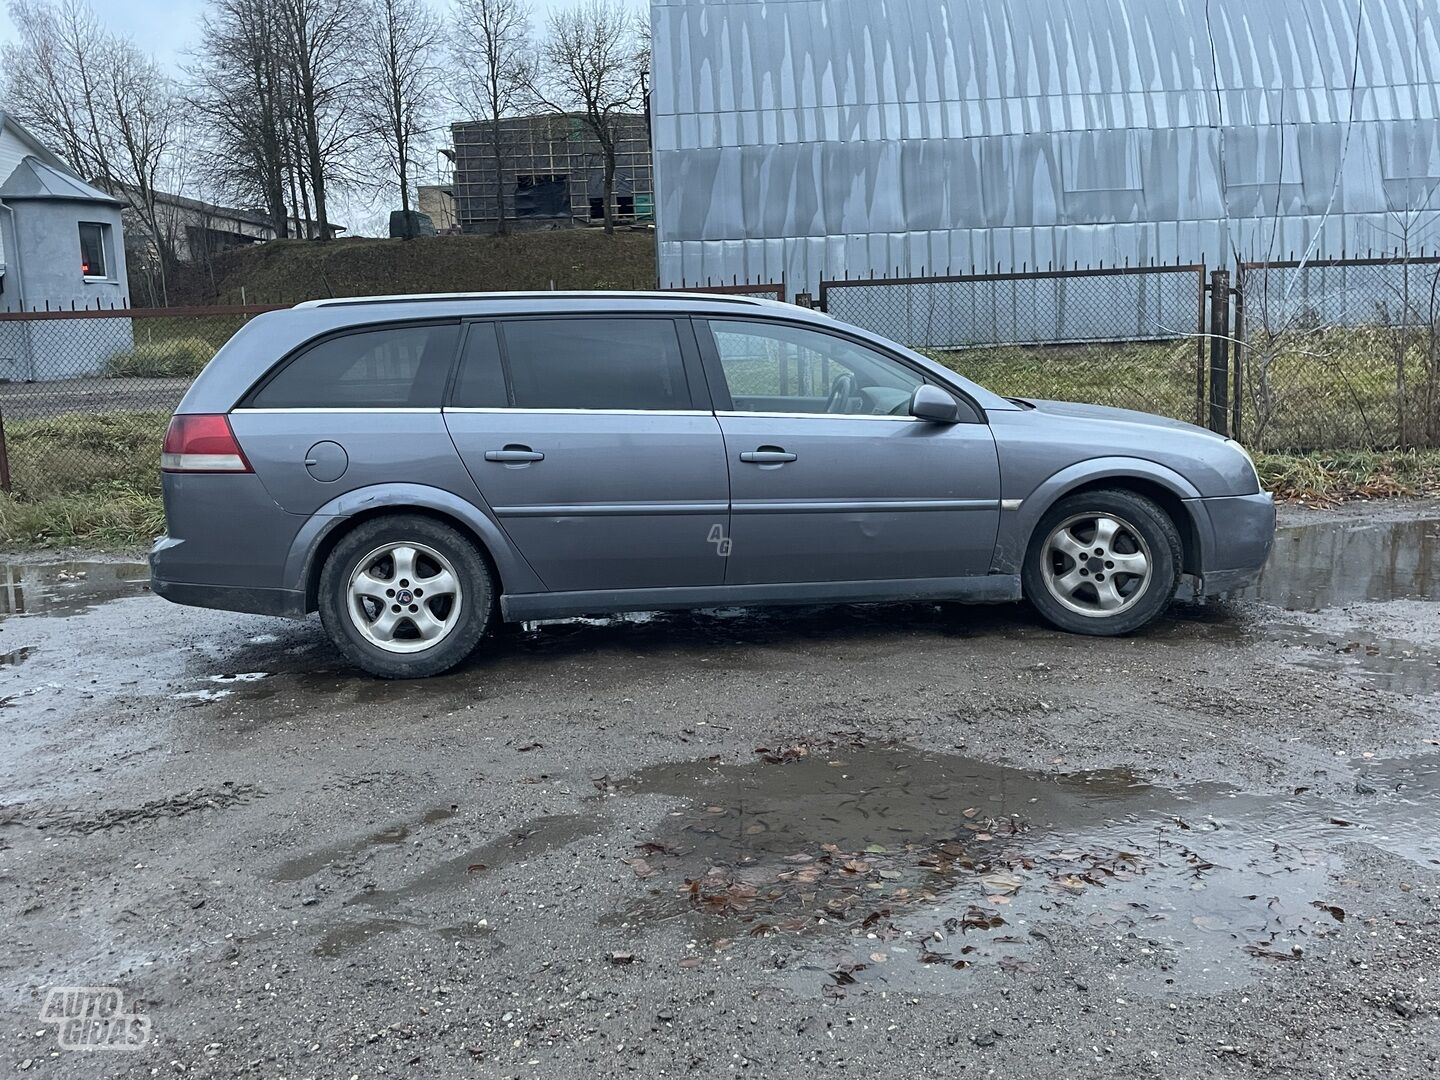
(905, 840)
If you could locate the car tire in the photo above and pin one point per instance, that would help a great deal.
(1103, 563)
(374, 604)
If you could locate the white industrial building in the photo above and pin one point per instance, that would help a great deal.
(811, 139)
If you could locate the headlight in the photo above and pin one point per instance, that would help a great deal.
(1250, 460)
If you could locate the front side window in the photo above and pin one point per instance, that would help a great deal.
(791, 369)
(602, 364)
(93, 236)
(394, 367)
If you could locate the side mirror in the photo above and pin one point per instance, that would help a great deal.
(935, 405)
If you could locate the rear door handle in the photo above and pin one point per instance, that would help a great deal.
(514, 455)
(767, 455)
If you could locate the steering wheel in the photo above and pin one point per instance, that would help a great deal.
(841, 391)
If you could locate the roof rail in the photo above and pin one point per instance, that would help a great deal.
(607, 294)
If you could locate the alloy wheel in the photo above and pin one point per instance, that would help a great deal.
(404, 597)
(1096, 565)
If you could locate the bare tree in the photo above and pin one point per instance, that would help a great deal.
(319, 42)
(52, 83)
(145, 113)
(493, 63)
(109, 108)
(241, 91)
(400, 80)
(591, 65)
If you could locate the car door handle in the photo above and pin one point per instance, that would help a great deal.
(767, 455)
(514, 455)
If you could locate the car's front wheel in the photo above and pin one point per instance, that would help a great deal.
(1103, 563)
(406, 596)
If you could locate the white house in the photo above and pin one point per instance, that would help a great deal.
(61, 247)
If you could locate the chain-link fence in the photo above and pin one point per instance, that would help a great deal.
(1132, 337)
(1339, 354)
(85, 395)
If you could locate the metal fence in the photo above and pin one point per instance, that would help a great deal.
(1132, 337)
(85, 395)
(1338, 354)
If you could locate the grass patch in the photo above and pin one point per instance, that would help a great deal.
(89, 479)
(161, 358)
(1331, 477)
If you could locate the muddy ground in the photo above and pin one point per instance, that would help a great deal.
(909, 841)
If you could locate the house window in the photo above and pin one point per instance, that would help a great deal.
(597, 209)
(94, 239)
(626, 207)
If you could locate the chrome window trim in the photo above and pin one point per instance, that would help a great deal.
(821, 416)
(338, 409)
(581, 412)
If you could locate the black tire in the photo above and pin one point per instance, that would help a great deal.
(476, 597)
(1142, 606)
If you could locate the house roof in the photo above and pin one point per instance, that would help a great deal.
(34, 179)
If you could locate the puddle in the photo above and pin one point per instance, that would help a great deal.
(1376, 661)
(68, 588)
(1326, 565)
(904, 869)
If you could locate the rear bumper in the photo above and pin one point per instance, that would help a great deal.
(1241, 534)
(287, 603)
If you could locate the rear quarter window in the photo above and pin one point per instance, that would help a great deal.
(388, 368)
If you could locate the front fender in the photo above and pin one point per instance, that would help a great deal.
(1017, 525)
(515, 573)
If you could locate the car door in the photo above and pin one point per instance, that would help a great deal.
(585, 436)
(831, 479)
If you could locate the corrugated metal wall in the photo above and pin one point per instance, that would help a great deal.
(820, 138)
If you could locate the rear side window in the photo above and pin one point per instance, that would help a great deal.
(595, 364)
(392, 368)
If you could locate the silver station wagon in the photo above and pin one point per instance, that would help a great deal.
(418, 469)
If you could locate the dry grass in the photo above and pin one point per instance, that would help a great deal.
(288, 271)
(87, 479)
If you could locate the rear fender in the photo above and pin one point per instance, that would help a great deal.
(515, 573)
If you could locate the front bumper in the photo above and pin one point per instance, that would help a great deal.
(1241, 532)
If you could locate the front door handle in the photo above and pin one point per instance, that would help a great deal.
(767, 455)
(514, 455)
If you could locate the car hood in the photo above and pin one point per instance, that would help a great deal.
(1121, 416)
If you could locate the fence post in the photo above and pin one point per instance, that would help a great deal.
(1220, 351)
(4, 458)
(1237, 395)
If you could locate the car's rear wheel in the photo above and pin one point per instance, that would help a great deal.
(406, 596)
(1103, 563)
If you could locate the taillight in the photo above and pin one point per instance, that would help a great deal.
(202, 443)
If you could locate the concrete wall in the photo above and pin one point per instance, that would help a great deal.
(47, 254)
(44, 267)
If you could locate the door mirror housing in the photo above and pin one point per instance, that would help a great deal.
(935, 405)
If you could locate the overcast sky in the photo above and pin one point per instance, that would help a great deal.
(169, 30)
